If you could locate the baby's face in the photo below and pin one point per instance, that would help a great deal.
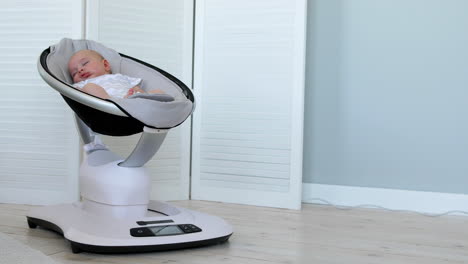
(87, 64)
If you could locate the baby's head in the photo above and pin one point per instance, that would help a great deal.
(86, 64)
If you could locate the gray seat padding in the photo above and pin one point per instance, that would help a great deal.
(153, 110)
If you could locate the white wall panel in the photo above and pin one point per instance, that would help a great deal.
(38, 140)
(249, 79)
(160, 33)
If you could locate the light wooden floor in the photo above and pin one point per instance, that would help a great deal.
(317, 234)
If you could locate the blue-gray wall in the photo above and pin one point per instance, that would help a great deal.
(387, 94)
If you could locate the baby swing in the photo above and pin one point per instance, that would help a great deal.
(115, 214)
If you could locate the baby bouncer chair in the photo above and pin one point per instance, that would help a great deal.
(115, 214)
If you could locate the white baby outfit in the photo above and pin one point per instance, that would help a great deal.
(116, 85)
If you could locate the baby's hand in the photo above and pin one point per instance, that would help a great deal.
(134, 90)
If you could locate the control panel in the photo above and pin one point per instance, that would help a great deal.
(164, 230)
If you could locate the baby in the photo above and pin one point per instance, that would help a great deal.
(92, 74)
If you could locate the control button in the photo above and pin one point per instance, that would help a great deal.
(189, 228)
(195, 228)
(185, 228)
(141, 232)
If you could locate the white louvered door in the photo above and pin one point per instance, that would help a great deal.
(158, 32)
(248, 80)
(39, 152)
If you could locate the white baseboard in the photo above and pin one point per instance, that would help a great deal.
(417, 201)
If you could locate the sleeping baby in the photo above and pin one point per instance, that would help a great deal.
(92, 74)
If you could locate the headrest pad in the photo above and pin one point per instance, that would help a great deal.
(60, 54)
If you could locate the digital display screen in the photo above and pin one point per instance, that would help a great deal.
(165, 230)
